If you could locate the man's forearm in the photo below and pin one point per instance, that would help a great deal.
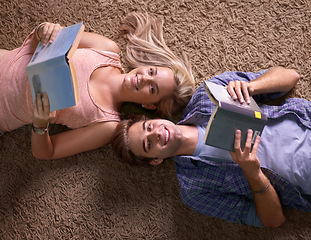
(276, 79)
(268, 206)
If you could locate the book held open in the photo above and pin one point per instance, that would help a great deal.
(50, 69)
(230, 115)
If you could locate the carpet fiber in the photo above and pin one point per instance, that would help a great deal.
(93, 195)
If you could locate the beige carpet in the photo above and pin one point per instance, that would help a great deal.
(94, 196)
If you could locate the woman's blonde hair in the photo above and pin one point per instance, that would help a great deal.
(146, 46)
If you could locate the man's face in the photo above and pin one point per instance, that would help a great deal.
(156, 138)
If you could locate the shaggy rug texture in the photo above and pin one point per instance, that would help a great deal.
(92, 195)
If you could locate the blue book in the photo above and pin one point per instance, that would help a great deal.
(50, 69)
(230, 115)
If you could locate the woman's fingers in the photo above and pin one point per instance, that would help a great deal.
(54, 31)
(38, 103)
(49, 32)
(42, 116)
(46, 104)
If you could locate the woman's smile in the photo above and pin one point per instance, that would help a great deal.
(148, 85)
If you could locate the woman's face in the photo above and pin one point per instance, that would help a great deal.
(149, 85)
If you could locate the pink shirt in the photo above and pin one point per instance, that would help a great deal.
(16, 105)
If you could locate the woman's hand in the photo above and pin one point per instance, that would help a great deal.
(246, 159)
(41, 114)
(47, 32)
(240, 90)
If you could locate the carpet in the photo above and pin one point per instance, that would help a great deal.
(92, 195)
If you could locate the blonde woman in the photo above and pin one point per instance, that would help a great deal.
(159, 80)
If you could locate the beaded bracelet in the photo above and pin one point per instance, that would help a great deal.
(265, 189)
(36, 31)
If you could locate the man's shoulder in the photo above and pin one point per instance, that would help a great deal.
(199, 108)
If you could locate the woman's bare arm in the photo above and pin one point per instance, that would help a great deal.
(94, 40)
(73, 141)
(67, 143)
(47, 32)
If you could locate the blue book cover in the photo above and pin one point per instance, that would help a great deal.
(230, 115)
(51, 71)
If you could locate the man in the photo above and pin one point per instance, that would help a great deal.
(244, 186)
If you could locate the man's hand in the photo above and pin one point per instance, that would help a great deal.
(246, 159)
(240, 90)
(267, 203)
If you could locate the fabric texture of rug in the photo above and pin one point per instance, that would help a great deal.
(92, 195)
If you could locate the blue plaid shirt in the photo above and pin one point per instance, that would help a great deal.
(220, 189)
